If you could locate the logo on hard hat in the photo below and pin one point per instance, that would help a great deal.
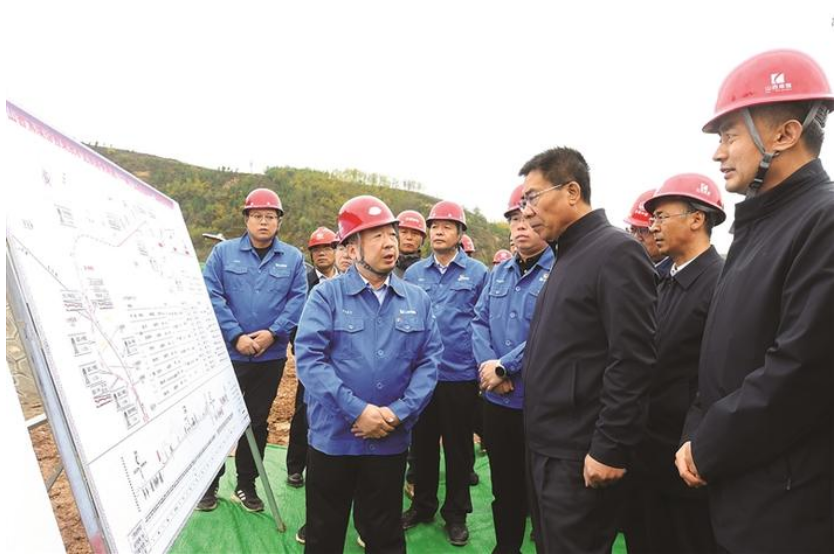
(704, 189)
(778, 83)
(374, 211)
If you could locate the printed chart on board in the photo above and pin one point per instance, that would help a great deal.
(111, 279)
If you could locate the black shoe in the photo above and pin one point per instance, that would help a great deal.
(301, 535)
(412, 518)
(458, 534)
(209, 501)
(249, 499)
(474, 479)
(295, 480)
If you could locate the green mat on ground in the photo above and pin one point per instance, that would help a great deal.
(231, 529)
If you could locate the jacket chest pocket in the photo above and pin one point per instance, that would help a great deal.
(236, 278)
(530, 300)
(498, 299)
(278, 279)
(347, 338)
(408, 334)
(462, 295)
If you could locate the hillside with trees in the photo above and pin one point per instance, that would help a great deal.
(211, 199)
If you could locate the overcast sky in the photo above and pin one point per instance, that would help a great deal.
(456, 95)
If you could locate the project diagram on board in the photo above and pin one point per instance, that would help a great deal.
(114, 288)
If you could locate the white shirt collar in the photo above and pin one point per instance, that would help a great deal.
(379, 293)
(675, 268)
(322, 276)
(440, 266)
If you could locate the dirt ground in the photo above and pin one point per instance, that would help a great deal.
(63, 502)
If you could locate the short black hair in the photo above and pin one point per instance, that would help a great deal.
(561, 165)
(710, 214)
(777, 113)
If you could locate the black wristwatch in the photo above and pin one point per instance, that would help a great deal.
(500, 371)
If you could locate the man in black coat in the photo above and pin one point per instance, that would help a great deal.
(663, 515)
(587, 363)
(760, 434)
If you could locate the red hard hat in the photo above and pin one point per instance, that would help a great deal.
(691, 186)
(775, 76)
(515, 201)
(412, 220)
(447, 210)
(500, 256)
(639, 217)
(467, 243)
(361, 213)
(323, 236)
(263, 199)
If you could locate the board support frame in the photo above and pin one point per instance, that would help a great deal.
(52, 405)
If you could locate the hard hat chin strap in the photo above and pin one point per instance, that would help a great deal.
(367, 266)
(767, 157)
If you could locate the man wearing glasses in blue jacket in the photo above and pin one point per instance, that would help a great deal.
(257, 285)
(502, 320)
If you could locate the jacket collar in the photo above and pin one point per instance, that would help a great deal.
(354, 284)
(544, 262)
(582, 227)
(406, 260)
(246, 244)
(461, 259)
(694, 269)
(794, 185)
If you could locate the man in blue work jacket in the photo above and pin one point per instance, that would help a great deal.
(454, 282)
(257, 285)
(367, 352)
(499, 334)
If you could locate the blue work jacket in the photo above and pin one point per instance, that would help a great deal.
(502, 321)
(453, 296)
(351, 351)
(249, 294)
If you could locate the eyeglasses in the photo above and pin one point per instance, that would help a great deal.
(532, 199)
(634, 230)
(262, 217)
(661, 218)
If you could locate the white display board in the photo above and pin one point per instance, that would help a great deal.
(109, 275)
